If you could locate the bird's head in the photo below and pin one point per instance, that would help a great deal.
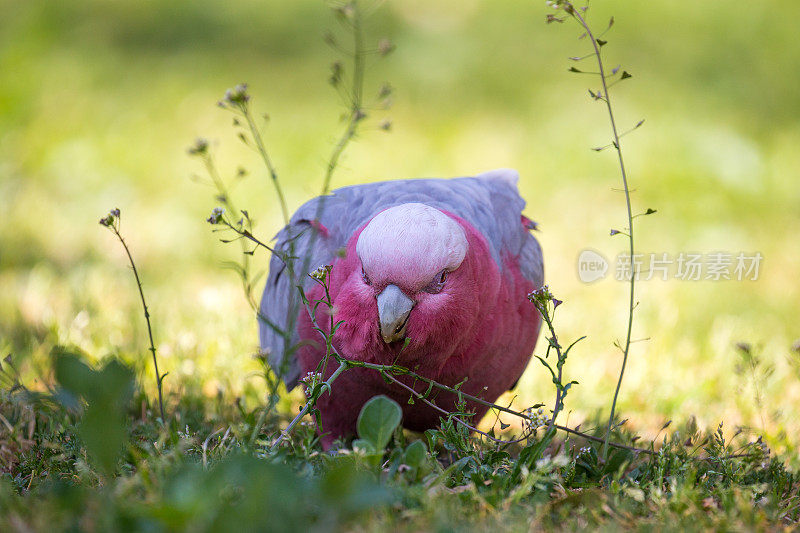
(412, 272)
(407, 254)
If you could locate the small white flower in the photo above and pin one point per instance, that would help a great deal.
(321, 273)
(216, 215)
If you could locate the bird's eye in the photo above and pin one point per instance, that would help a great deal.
(437, 284)
(365, 277)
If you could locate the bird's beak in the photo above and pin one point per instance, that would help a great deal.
(393, 310)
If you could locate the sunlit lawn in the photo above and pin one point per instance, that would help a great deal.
(99, 101)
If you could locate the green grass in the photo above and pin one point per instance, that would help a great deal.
(99, 101)
(199, 474)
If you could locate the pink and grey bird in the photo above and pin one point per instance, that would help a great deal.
(430, 274)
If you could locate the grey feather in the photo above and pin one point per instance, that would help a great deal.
(489, 201)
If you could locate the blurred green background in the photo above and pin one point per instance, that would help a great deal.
(99, 101)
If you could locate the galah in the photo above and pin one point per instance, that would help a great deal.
(429, 274)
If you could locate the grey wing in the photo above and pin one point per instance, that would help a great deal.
(530, 261)
(516, 239)
(306, 248)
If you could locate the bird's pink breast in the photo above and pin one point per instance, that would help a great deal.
(481, 327)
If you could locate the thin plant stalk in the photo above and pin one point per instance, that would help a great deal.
(354, 118)
(112, 222)
(606, 97)
(326, 385)
(224, 195)
(422, 397)
(262, 150)
(357, 96)
(546, 304)
(236, 100)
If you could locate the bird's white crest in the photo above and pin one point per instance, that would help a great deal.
(414, 240)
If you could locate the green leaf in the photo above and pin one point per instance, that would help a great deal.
(601, 42)
(530, 454)
(72, 374)
(617, 461)
(454, 468)
(378, 419)
(415, 454)
(365, 445)
(107, 392)
(546, 365)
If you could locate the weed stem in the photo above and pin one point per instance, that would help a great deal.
(159, 378)
(273, 173)
(607, 99)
